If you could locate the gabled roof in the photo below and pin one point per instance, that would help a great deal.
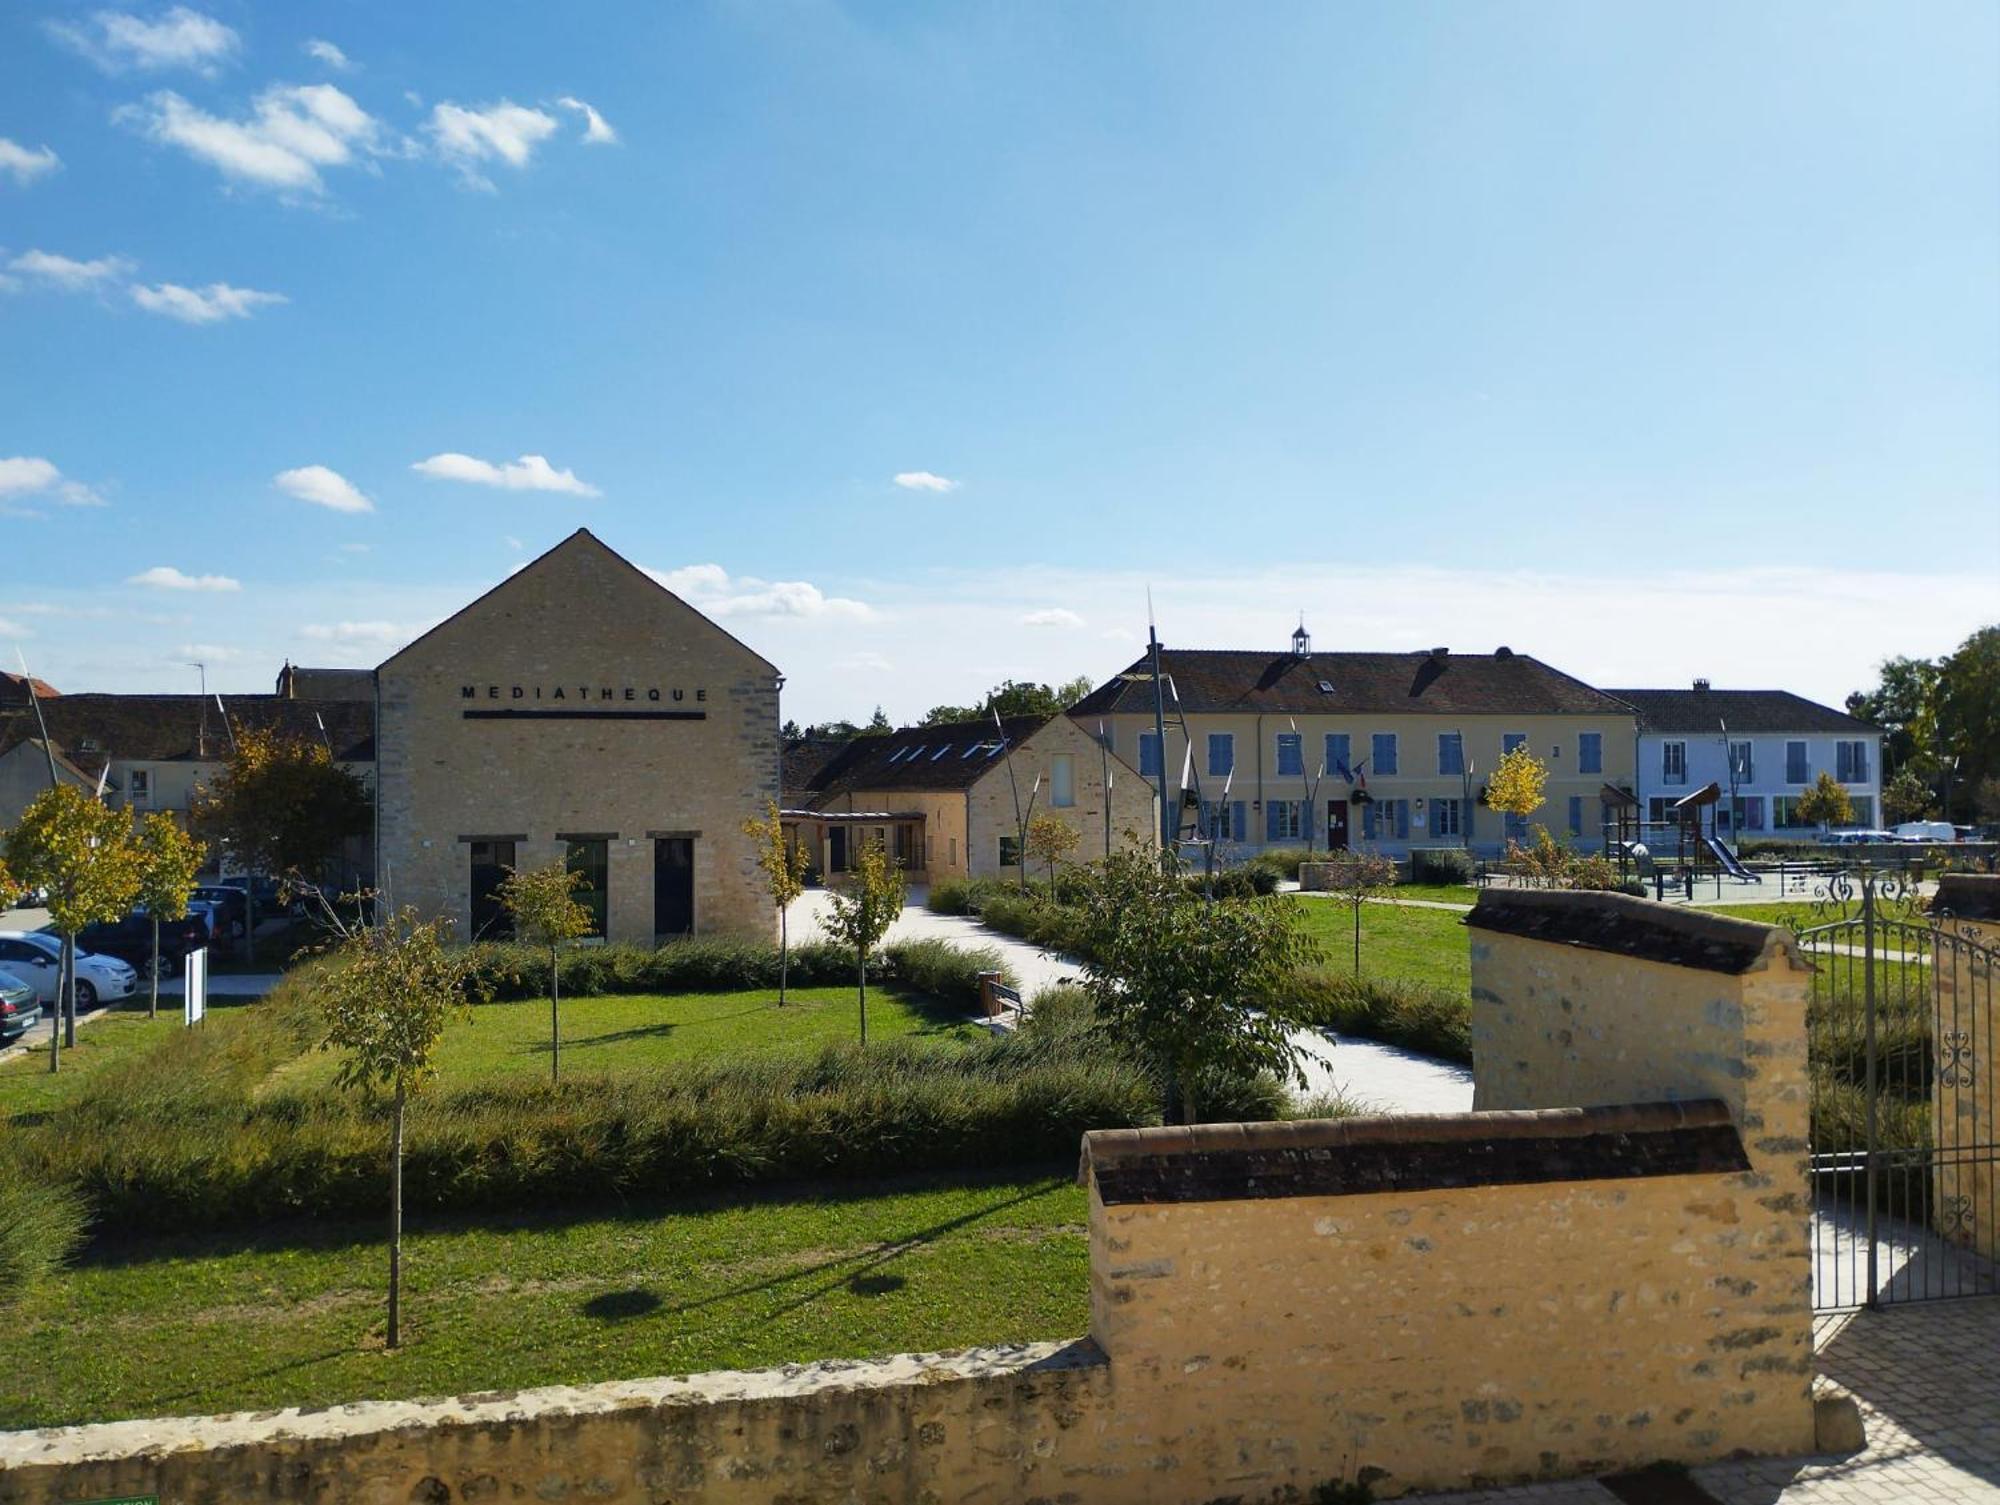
(1746, 712)
(923, 758)
(296, 682)
(581, 539)
(1221, 681)
(16, 689)
(89, 730)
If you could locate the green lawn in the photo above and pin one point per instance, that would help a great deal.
(1422, 945)
(193, 1328)
(636, 1031)
(1441, 893)
(108, 1041)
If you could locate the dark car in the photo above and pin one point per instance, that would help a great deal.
(131, 940)
(20, 1007)
(234, 906)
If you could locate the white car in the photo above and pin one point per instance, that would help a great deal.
(35, 957)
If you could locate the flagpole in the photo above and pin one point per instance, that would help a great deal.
(48, 749)
(1020, 826)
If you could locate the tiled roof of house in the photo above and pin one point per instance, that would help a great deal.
(923, 758)
(15, 689)
(1745, 711)
(297, 682)
(89, 729)
(1220, 681)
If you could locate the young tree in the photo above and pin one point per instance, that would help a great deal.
(82, 853)
(385, 1002)
(1050, 840)
(543, 903)
(784, 867)
(1518, 785)
(860, 914)
(169, 858)
(1358, 877)
(1195, 985)
(282, 807)
(1906, 797)
(1824, 804)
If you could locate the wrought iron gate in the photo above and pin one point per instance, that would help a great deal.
(1903, 1067)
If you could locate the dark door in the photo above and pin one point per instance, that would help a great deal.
(837, 841)
(492, 861)
(673, 885)
(1336, 825)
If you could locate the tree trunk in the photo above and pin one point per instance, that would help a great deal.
(153, 997)
(784, 952)
(396, 1223)
(1357, 937)
(861, 977)
(55, 1012)
(69, 993)
(249, 926)
(555, 1019)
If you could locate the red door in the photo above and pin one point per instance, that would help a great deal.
(1336, 825)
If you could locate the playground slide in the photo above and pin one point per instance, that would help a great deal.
(1731, 863)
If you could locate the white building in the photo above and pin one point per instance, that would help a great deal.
(1764, 748)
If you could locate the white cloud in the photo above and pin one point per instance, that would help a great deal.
(359, 632)
(865, 663)
(205, 305)
(924, 480)
(596, 129)
(329, 54)
(26, 475)
(1053, 616)
(67, 273)
(505, 132)
(26, 165)
(295, 130)
(529, 473)
(712, 590)
(323, 488)
(180, 38)
(166, 577)
(207, 653)
(10, 629)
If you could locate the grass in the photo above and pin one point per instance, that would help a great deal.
(1442, 893)
(104, 1045)
(195, 1326)
(1416, 945)
(620, 1033)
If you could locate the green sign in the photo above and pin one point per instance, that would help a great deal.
(125, 1500)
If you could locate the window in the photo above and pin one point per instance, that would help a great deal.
(1590, 752)
(1753, 812)
(1382, 759)
(1222, 822)
(1010, 851)
(1797, 770)
(1516, 827)
(1673, 762)
(1149, 754)
(1576, 815)
(1284, 820)
(954, 851)
(1339, 760)
(1660, 812)
(1291, 754)
(1782, 815)
(1511, 740)
(140, 782)
(1864, 809)
(591, 856)
(1386, 820)
(908, 838)
(1742, 765)
(1850, 762)
(1451, 753)
(1221, 753)
(1062, 781)
(492, 861)
(1446, 818)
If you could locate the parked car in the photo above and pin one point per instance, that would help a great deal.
(1857, 838)
(1926, 830)
(273, 899)
(131, 939)
(35, 956)
(231, 905)
(19, 1007)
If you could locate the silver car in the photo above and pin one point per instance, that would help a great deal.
(19, 1007)
(35, 957)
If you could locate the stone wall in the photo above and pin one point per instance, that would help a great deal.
(990, 801)
(1402, 1303)
(1966, 1111)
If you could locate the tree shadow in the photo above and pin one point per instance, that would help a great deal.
(621, 1306)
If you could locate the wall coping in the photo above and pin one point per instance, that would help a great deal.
(1645, 929)
(1968, 896)
(110, 1441)
(1407, 1153)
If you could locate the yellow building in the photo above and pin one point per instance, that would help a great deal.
(1384, 751)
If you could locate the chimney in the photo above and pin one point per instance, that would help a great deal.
(1440, 652)
(1701, 685)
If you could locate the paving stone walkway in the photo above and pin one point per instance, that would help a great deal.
(1927, 1377)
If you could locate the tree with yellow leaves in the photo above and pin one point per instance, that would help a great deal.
(169, 859)
(784, 864)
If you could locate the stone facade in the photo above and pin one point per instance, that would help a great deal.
(989, 812)
(1966, 965)
(578, 699)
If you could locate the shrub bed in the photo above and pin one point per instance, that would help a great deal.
(1414, 1015)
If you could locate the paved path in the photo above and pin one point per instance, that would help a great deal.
(1927, 1377)
(1381, 1078)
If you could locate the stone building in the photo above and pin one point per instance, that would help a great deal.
(942, 799)
(578, 711)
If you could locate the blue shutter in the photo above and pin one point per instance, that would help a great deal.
(1402, 819)
(1368, 822)
(1237, 824)
(1270, 820)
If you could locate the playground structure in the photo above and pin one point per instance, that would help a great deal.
(1698, 847)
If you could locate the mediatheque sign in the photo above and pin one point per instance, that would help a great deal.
(582, 694)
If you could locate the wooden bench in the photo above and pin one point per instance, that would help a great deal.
(1004, 1006)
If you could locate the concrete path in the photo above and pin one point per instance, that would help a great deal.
(1380, 1078)
(1927, 1377)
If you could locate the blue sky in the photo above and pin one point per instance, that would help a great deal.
(1657, 341)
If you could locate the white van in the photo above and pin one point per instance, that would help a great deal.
(1926, 830)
